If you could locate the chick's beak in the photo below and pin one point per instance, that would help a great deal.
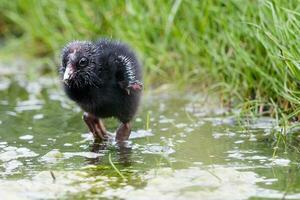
(68, 73)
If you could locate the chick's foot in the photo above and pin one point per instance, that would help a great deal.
(123, 132)
(95, 126)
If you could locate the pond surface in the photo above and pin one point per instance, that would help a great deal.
(182, 147)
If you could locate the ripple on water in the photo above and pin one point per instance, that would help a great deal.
(32, 104)
(157, 149)
(217, 121)
(11, 166)
(38, 116)
(26, 137)
(141, 133)
(55, 155)
(12, 153)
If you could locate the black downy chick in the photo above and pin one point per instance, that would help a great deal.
(104, 79)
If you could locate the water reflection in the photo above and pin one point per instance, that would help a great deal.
(122, 151)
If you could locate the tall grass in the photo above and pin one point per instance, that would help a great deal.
(247, 49)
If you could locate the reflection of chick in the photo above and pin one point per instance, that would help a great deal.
(104, 79)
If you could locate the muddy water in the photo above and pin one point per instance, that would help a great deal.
(182, 147)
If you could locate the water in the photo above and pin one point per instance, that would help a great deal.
(182, 147)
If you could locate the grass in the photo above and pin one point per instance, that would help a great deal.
(248, 50)
(114, 167)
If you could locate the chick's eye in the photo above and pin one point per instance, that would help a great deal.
(83, 62)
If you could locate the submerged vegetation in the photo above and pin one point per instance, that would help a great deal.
(248, 50)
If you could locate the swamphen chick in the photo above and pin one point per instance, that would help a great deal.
(104, 79)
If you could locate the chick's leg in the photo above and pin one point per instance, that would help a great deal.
(123, 132)
(96, 126)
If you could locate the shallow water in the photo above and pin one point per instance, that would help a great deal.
(182, 147)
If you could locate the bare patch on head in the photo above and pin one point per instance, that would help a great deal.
(72, 54)
(74, 48)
